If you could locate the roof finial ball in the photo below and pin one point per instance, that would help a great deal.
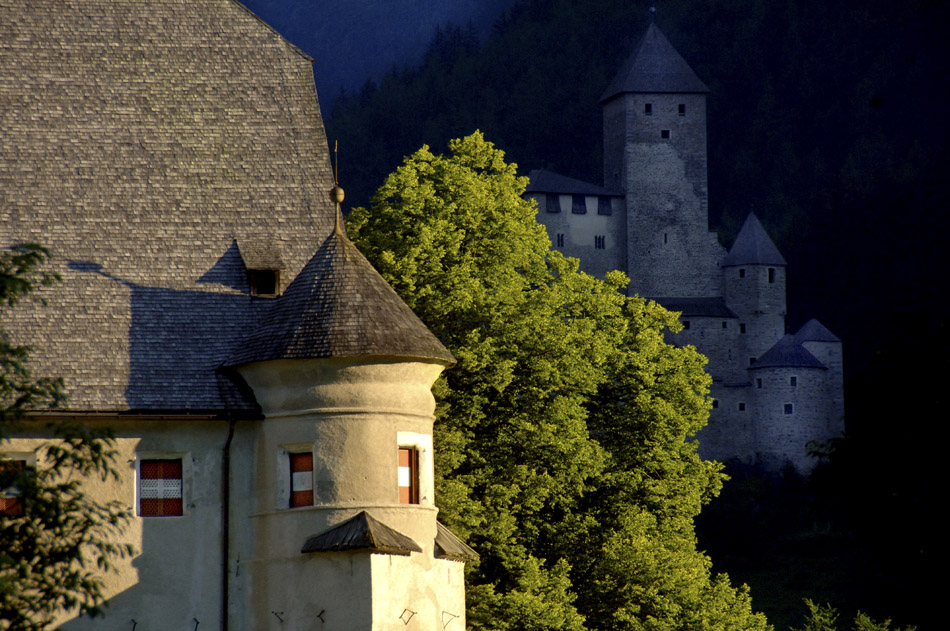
(336, 194)
(652, 12)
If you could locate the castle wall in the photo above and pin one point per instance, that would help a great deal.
(830, 354)
(791, 409)
(598, 240)
(657, 155)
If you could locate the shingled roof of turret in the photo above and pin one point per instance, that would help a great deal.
(815, 331)
(788, 353)
(753, 246)
(654, 67)
(339, 306)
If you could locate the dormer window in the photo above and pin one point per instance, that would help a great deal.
(263, 263)
(263, 282)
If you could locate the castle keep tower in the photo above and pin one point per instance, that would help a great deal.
(655, 151)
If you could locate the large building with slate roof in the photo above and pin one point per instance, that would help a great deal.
(773, 393)
(269, 391)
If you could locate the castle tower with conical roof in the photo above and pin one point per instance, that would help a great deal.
(655, 151)
(344, 491)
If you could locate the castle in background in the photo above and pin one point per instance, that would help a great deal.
(773, 392)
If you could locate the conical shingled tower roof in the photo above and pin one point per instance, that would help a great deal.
(655, 67)
(753, 246)
(339, 306)
(815, 331)
(787, 353)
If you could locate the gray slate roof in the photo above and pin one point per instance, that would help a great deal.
(787, 353)
(654, 67)
(339, 306)
(753, 246)
(150, 144)
(449, 546)
(815, 331)
(705, 307)
(361, 532)
(544, 181)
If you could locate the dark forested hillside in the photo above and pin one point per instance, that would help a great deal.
(829, 119)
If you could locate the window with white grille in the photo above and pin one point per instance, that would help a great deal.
(160, 487)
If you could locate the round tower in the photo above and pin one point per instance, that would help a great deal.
(826, 346)
(754, 283)
(655, 151)
(342, 493)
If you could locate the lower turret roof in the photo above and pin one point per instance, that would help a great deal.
(787, 353)
(815, 331)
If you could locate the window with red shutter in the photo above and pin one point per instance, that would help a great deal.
(10, 504)
(408, 476)
(301, 479)
(160, 488)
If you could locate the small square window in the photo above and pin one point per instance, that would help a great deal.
(758, 383)
(751, 360)
(553, 204)
(408, 476)
(10, 504)
(560, 239)
(665, 134)
(685, 324)
(603, 206)
(771, 274)
(725, 324)
(793, 381)
(742, 407)
(301, 479)
(789, 408)
(715, 403)
(648, 108)
(742, 327)
(682, 109)
(160, 488)
(578, 205)
(741, 272)
(599, 242)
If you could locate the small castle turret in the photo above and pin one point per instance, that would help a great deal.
(342, 370)
(754, 283)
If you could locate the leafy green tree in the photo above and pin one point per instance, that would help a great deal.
(55, 540)
(564, 454)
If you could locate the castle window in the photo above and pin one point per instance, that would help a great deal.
(751, 360)
(793, 381)
(160, 487)
(599, 242)
(263, 282)
(682, 109)
(666, 238)
(789, 408)
(741, 272)
(742, 407)
(10, 504)
(553, 204)
(758, 383)
(301, 479)
(715, 403)
(603, 206)
(685, 324)
(665, 134)
(578, 205)
(408, 475)
(648, 108)
(725, 324)
(560, 239)
(742, 327)
(771, 274)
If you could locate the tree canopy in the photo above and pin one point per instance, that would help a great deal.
(564, 454)
(55, 540)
